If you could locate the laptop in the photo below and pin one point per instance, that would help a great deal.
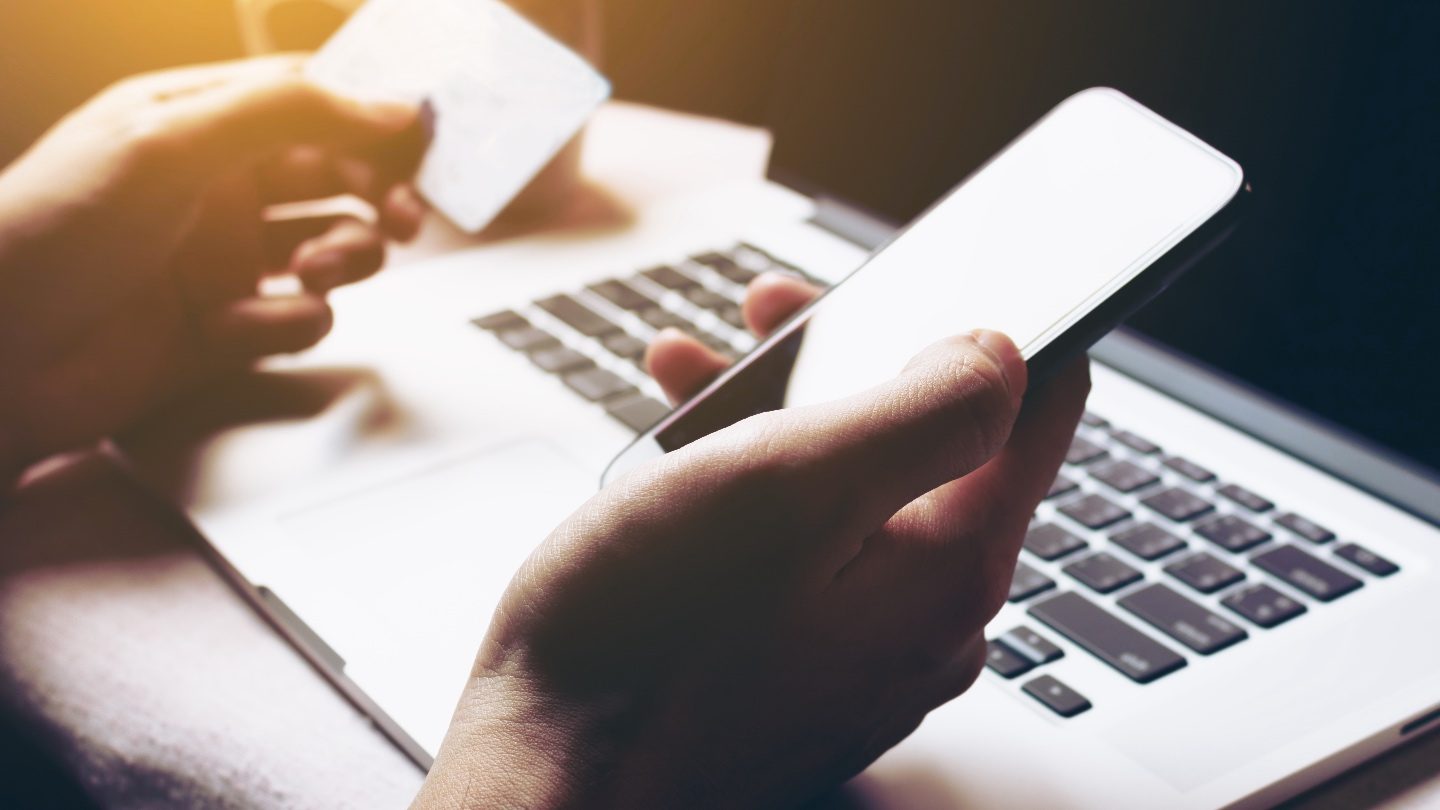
(1229, 594)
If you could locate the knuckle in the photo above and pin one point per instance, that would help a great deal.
(295, 95)
(971, 662)
(289, 99)
(151, 140)
(777, 477)
(126, 88)
(131, 88)
(993, 592)
(997, 568)
(763, 466)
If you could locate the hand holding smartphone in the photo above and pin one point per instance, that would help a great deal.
(1075, 225)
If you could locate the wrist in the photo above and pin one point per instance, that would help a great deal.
(510, 746)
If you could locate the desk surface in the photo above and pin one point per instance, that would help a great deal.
(158, 683)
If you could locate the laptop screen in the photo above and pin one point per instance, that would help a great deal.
(1327, 297)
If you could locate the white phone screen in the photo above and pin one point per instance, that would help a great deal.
(1062, 218)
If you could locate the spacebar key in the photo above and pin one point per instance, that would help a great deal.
(1116, 643)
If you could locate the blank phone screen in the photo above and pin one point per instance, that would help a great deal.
(1061, 219)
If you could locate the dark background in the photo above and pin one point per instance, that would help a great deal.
(1327, 296)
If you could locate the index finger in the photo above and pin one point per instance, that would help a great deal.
(845, 468)
(953, 551)
(245, 122)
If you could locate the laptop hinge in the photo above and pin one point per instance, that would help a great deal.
(852, 224)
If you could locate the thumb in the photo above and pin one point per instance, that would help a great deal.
(867, 456)
(246, 121)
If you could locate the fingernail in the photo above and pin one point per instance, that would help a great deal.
(1007, 354)
(324, 271)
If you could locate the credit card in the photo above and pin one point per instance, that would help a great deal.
(505, 97)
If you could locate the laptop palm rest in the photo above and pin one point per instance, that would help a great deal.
(401, 579)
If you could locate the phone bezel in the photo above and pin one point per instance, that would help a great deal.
(1062, 345)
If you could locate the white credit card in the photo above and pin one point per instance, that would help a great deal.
(505, 96)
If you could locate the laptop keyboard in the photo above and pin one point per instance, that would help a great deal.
(594, 339)
(1128, 537)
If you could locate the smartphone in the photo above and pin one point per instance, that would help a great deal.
(1071, 228)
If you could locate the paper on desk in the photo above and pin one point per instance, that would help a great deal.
(506, 97)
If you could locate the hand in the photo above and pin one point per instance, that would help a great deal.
(758, 616)
(132, 241)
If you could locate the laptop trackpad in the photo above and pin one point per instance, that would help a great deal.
(401, 579)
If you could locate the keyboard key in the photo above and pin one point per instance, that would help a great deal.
(1309, 530)
(1094, 420)
(737, 274)
(622, 295)
(1366, 559)
(1147, 541)
(597, 384)
(1060, 486)
(658, 318)
(1056, 696)
(626, 346)
(1084, 452)
(528, 339)
(560, 360)
(753, 258)
(1027, 582)
(1133, 653)
(761, 261)
(501, 321)
(707, 299)
(1190, 469)
(1005, 661)
(1263, 605)
(1245, 498)
(1178, 505)
(1050, 542)
(1136, 443)
(1032, 645)
(670, 278)
(1183, 620)
(1094, 512)
(577, 316)
(1231, 533)
(727, 267)
(712, 258)
(1205, 573)
(1122, 476)
(732, 316)
(1310, 574)
(1103, 573)
(639, 413)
